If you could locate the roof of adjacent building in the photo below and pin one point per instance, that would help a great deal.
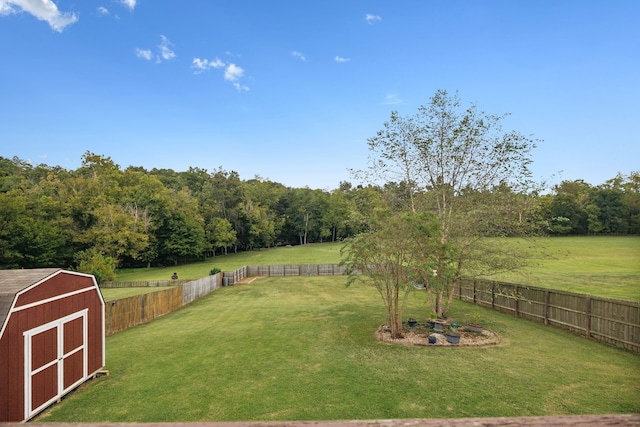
(14, 281)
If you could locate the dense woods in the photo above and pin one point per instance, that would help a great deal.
(50, 216)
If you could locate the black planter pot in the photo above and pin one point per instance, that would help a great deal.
(432, 340)
(471, 327)
(412, 322)
(453, 337)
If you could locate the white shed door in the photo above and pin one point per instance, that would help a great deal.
(55, 360)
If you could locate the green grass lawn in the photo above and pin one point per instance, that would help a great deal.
(303, 348)
(321, 253)
(112, 294)
(603, 266)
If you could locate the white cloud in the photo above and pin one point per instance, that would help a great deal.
(165, 51)
(165, 47)
(44, 10)
(5, 8)
(372, 19)
(144, 54)
(204, 64)
(103, 10)
(129, 3)
(341, 59)
(298, 55)
(392, 99)
(232, 74)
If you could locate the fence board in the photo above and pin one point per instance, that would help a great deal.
(127, 312)
(144, 283)
(291, 270)
(201, 287)
(610, 321)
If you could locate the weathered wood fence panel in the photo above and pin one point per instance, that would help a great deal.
(201, 287)
(125, 313)
(144, 283)
(287, 270)
(615, 322)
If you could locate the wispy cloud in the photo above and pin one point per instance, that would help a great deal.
(165, 47)
(205, 64)
(298, 55)
(165, 51)
(341, 59)
(232, 72)
(44, 10)
(372, 19)
(103, 10)
(131, 4)
(392, 99)
(144, 54)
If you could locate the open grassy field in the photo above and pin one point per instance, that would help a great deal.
(603, 266)
(303, 348)
(112, 294)
(319, 253)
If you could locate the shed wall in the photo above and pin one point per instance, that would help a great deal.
(20, 320)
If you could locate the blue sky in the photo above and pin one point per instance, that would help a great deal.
(291, 90)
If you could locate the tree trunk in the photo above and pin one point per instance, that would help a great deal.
(439, 308)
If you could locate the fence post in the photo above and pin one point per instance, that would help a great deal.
(587, 312)
(547, 299)
(517, 312)
(474, 291)
(493, 295)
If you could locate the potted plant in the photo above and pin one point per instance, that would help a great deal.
(411, 321)
(475, 326)
(438, 324)
(453, 337)
(430, 321)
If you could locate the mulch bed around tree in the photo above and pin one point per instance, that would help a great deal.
(419, 336)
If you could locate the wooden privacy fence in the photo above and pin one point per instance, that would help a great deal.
(127, 312)
(144, 283)
(283, 270)
(615, 322)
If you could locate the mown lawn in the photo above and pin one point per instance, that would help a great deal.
(602, 266)
(112, 294)
(319, 253)
(303, 348)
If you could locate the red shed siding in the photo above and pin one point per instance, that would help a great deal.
(38, 313)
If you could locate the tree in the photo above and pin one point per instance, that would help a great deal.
(93, 261)
(183, 232)
(456, 157)
(401, 249)
(220, 234)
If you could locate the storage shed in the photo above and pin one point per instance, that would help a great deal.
(51, 337)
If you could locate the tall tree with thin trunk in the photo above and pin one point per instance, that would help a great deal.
(456, 157)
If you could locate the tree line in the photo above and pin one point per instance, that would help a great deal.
(49, 216)
(133, 217)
